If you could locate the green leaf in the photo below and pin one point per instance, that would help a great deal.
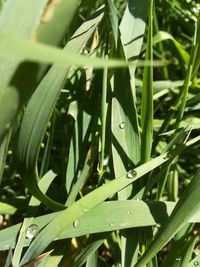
(38, 52)
(132, 29)
(33, 205)
(113, 20)
(133, 213)
(40, 108)
(78, 208)
(56, 21)
(24, 27)
(163, 36)
(186, 207)
(89, 251)
(147, 94)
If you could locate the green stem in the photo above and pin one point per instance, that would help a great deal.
(103, 118)
(147, 94)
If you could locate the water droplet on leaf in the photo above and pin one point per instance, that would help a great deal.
(196, 263)
(105, 161)
(169, 155)
(129, 212)
(178, 259)
(131, 174)
(122, 125)
(76, 223)
(85, 51)
(32, 231)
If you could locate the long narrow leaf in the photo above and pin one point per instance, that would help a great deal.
(39, 110)
(184, 210)
(74, 211)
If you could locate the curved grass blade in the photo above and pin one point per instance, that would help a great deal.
(92, 260)
(47, 151)
(186, 207)
(80, 207)
(163, 36)
(39, 110)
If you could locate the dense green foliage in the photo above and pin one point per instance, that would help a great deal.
(99, 133)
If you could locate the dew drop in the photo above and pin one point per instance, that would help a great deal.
(76, 223)
(178, 259)
(168, 155)
(111, 224)
(122, 125)
(32, 231)
(105, 161)
(131, 174)
(196, 263)
(85, 51)
(128, 212)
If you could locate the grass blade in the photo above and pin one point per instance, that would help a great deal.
(189, 73)
(147, 95)
(104, 109)
(31, 211)
(57, 13)
(39, 110)
(186, 207)
(37, 52)
(78, 208)
(132, 37)
(113, 20)
(24, 28)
